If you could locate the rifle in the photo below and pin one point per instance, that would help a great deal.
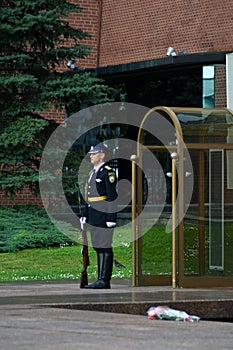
(86, 263)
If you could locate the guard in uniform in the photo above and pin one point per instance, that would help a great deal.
(100, 214)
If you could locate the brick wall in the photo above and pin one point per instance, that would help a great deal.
(23, 197)
(136, 30)
(88, 21)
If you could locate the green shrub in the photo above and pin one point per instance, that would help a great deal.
(28, 226)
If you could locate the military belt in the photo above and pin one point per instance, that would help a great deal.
(96, 199)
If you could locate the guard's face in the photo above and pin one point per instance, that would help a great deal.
(97, 158)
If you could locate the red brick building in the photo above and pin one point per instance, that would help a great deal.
(129, 45)
(131, 37)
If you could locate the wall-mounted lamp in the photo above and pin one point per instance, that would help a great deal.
(70, 64)
(170, 52)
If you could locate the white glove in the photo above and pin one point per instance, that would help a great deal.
(110, 224)
(82, 220)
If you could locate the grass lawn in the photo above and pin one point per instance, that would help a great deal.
(63, 262)
(66, 262)
(52, 264)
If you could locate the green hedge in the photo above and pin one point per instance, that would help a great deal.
(28, 226)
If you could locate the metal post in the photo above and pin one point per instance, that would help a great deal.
(174, 157)
(133, 159)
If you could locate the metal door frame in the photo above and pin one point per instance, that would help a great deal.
(177, 206)
(178, 278)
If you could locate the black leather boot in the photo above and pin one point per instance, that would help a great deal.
(103, 282)
(100, 262)
(107, 269)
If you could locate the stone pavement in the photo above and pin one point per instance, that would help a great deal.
(48, 315)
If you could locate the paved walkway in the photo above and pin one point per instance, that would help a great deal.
(48, 315)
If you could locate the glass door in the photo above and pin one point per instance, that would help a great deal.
(155, 236)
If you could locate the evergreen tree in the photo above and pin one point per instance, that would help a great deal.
(35, 40)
